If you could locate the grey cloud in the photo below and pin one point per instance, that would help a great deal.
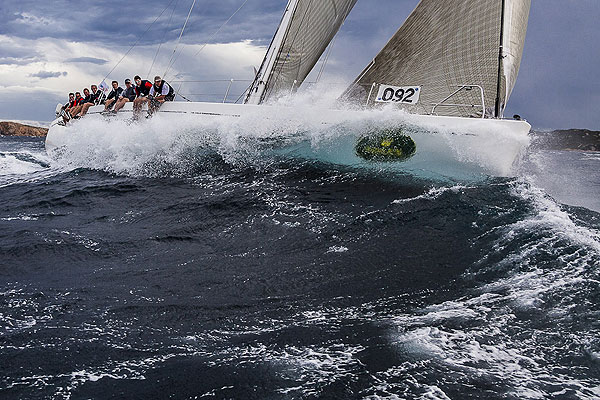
(124, 24)
(16, 60)
(48, 74)
(91, 60)
(12, 53)
(28, 105)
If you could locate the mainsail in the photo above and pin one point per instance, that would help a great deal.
(445, 45)
(307, 28)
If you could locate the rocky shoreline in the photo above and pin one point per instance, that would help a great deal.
(17, 129)
(570, 139)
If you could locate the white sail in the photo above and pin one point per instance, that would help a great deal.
(444, 45)
(516, 15)
(307, 28)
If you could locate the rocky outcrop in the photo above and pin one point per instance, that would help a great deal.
(16, 129)
(571, 139)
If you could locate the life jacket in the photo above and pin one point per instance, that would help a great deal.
(129, 93)
(115, 93)
(72, 103)
(144, 88)
(158, 91)
(78, 101)
(95, 96)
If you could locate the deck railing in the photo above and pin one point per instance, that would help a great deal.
(460, 89)
(212, 89)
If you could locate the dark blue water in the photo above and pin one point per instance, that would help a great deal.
(192, 276)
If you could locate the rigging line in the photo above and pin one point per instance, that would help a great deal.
(346, 11)
(171, 61)
(213, 35)
(138, 40)
(320, 74)
(221, 27)
(163, 39)
(244, 92)
(182, 96)
(179, 94)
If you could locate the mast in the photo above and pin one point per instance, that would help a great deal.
(498, 111)
(257, 90)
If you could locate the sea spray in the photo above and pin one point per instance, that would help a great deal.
(295, 131)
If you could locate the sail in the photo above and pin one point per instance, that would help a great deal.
(444, 45)
(305, 32)
(515, 28)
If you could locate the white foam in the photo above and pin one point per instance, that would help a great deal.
(11, 165)
(548, 214)
(548, 230)
(433, 193)
(487, 346)
(337, 249)
(118, 146)
(24, 166)
(434, 393)
(21, 217)
(571, 177)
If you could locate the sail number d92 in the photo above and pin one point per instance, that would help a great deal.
(398, 94)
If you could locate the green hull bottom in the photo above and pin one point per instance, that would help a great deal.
(387, 145)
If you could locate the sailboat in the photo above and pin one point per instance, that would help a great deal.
(447, 75)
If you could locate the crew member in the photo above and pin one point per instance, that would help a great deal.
(88, 101)
(96, 95)
(113, 95)
(142, 89)
(160, 92)
(91, 99)
(79, 101)
(68, 107)
(127, 96)
(70, 103)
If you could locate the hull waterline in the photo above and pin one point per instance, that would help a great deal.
(448, 146)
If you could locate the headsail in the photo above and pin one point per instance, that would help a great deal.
(515, 28)
(444, 45)
(307, 28)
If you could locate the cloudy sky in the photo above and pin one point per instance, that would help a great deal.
(50, 48)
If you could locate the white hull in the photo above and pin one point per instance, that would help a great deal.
(447, 146)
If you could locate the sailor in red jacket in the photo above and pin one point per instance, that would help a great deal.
(142, 90)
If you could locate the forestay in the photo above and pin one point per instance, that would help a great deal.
(442, 46)
(307, 28)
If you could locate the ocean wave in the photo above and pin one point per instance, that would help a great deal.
(517, 331)
(24, 166)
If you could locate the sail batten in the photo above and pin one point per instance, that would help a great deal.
(443, 45)
(304, 34)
